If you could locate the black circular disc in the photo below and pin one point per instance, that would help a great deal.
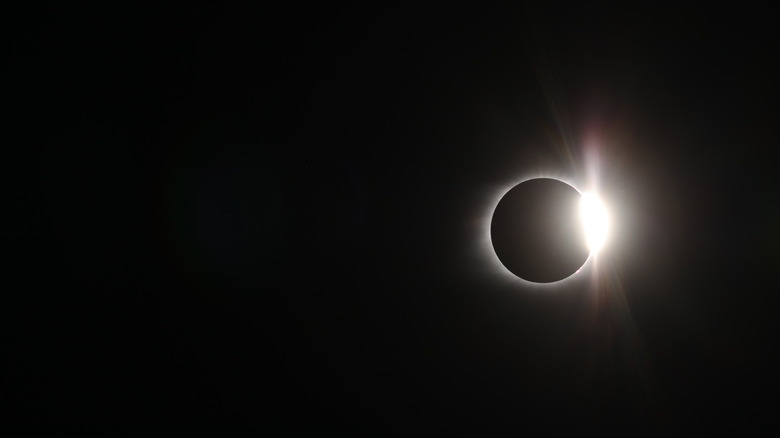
(537, 232)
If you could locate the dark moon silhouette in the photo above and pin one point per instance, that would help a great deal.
(537, 232)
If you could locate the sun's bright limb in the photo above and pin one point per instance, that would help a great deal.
(595, 221)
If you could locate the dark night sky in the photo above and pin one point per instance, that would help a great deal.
(249, 219)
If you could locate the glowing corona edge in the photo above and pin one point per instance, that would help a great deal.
(595, 219)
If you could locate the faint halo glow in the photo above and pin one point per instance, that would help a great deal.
(595, 221)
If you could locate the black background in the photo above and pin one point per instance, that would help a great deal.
(253, 218)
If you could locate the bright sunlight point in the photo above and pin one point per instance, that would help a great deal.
(595, 221)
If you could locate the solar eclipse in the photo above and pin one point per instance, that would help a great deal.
(543, 230)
